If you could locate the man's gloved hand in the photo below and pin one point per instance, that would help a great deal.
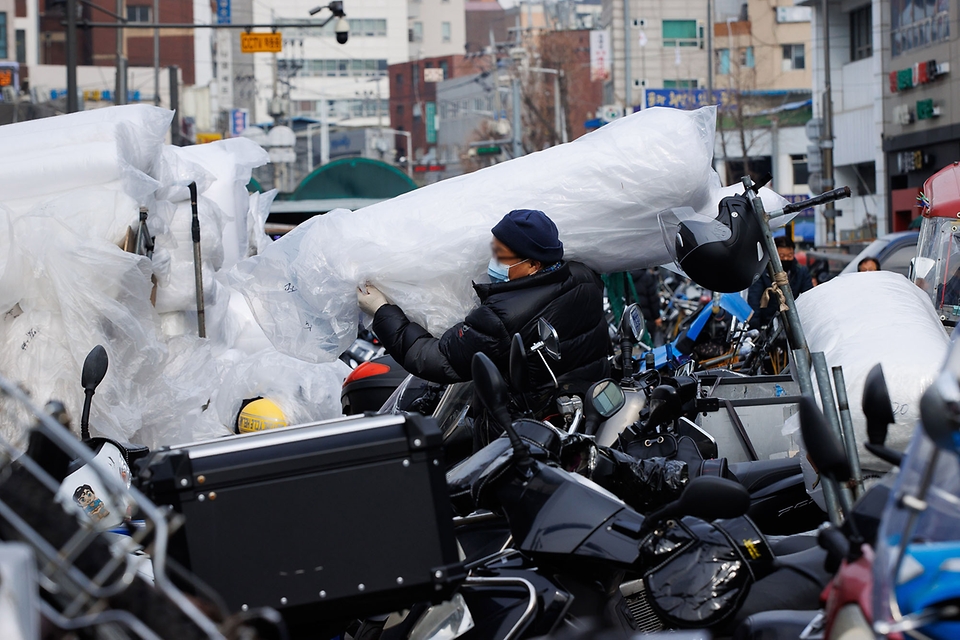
(371, 299)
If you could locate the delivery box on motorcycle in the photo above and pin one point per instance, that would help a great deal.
(346, 517)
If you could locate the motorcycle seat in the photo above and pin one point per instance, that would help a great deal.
(774, 625)
(758, 474)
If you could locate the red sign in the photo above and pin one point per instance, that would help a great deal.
(424, 168)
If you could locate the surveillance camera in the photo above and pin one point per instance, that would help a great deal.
(342, 30)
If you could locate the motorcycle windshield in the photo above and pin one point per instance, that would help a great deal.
(924, 571)
(936, 269)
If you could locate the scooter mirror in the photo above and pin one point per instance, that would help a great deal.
(606, 397)
(94, 368)
(632, 323)
(824, 448)
(519, 370)
(711, 498)
(939, 414)
(549, 338)
(877, 406)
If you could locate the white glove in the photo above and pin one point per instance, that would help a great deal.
(371, 299)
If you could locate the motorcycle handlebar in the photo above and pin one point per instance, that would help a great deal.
(823, 198)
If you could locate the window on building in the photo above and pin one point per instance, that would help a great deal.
(399, 109)
(861, 33)
(801, 173)
(793, 57)
(681, 33)
(723, 61)
(138, 13)
(416, 32)
(21, 36)
(680, 84)
(746, 57)
(446, 68)
(20, 8)
(3, 35)
(445, 31)
(399, 79)
(915, 24)
(337, 68)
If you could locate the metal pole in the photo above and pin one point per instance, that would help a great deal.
(558, 123)
(310, 148)
(175, 106)
(801, 360)
(409, 137)
(156, 54)
(709, 52)
(792, 320)
(71, 44)
(119, 86)
(849, 435)
(517, 126)
(197, 262)
(775, 153)
(830, 413)
(627, 67)
(325, 133)
(826, 141)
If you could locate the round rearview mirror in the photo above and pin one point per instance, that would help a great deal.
(632, 323)
(606, 397)
(94, 368)
(549, 338)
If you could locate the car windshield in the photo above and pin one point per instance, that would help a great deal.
(936, 269)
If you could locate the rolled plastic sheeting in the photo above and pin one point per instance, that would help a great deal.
(424, 248)
(861, 319)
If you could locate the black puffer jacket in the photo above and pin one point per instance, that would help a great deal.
(570, 298)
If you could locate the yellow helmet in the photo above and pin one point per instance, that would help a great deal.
(260, 415)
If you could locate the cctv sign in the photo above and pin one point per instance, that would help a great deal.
(261, 43)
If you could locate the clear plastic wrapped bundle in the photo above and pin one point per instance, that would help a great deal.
(423, 248)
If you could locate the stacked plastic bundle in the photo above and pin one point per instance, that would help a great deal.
(422, 249)
(72, 189)
(861, 319)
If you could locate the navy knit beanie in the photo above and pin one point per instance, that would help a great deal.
(531, 235)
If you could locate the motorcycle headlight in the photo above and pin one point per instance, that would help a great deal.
(445, 621)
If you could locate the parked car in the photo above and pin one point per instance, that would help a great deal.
(894, 251)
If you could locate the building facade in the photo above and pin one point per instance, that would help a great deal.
(856, 64)
(436, 28)
(316, 77)
(413, 100)
(920, 88)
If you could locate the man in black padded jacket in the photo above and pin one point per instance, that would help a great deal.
(529, 280)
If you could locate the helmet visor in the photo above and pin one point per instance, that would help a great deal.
(701, 229)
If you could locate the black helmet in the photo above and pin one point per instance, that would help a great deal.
(723, 254)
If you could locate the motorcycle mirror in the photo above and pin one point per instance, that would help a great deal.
(606, 397)
(518, 364)
(632, 323)
(938, 411)
(91, 375)
(712, 498)
(94, 368)
(824, 448)
(877, 406)
(549, 338)
(493, 395)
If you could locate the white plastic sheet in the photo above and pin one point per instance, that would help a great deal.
(423, 248)
(861, 319)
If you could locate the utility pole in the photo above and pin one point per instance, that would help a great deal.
(709, 52)
(156, 54)
(826, 141)
(71, 43)
(120, 85)
(517, 120)
(627, 67)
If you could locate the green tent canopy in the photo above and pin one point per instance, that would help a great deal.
(354, 178)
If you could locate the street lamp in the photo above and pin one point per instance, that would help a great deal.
(560, 123)
(342, 28)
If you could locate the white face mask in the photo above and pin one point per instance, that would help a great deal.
(500, 272)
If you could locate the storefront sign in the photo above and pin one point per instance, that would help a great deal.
(600, 56)
(908, 161)
(261, 43)
(919, 74)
